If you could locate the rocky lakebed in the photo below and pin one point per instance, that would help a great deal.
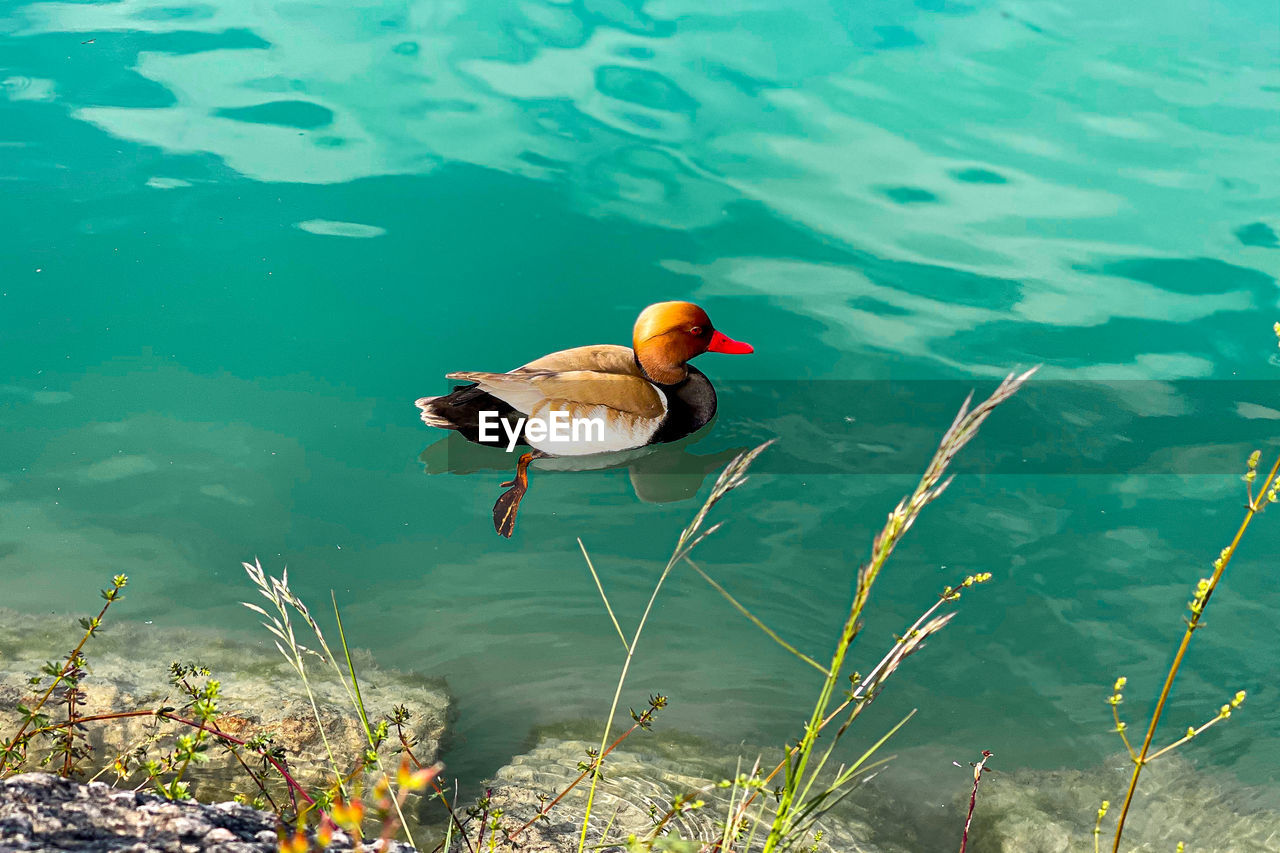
(1018, 812)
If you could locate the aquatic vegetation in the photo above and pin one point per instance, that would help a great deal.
(808, 790)
(807, 793)
(799, 804)
(1204, 590)
(171, 752)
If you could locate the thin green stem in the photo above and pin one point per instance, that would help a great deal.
(1188, 736)
(962, 430)
(733, 476)
(351, 669)
(1254, 506)
(358, 701)
(773, 635)
(617, 693)
(860, 694)
(1120, 729)
(595, 577)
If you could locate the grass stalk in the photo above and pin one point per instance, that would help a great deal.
(799, 778)
(277, 591)
(773, 635)
(599, 586)
(868, 688)
(351, 669)
(734, 475)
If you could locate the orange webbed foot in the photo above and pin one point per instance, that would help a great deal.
(508, 503)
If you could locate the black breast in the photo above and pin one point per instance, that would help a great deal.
(690, 406)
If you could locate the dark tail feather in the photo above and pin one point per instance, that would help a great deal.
(430, 416)
(461, 410)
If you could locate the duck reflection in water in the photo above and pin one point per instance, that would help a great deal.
(658, 474)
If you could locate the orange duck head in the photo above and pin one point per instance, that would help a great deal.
(668, 334)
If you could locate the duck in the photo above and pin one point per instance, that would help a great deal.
(602, 398)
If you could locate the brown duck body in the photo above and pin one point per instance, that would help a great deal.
(624, 397)
(603, 382)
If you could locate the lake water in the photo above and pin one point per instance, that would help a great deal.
(240, 238)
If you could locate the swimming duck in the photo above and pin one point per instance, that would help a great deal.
(592, 399)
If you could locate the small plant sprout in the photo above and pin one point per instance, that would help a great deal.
(1114, 700)
(1193, 731)
(1097, 825)
(641, 720)
(1200, 596)
(63, 677)
(165, 771)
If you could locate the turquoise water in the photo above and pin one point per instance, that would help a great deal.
(241, 238)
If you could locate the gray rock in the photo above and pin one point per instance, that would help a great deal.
(643, 777)
(1054, 811)
(40, 813)
(1017, 812)
(128, 670)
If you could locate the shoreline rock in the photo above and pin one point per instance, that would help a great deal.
(41, 813)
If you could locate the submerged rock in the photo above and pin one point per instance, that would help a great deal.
(1017, 812)
(1054, 811)
(128, 669)
(40, 812)
(642, 780)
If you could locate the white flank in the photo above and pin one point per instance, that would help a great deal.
(601, 431)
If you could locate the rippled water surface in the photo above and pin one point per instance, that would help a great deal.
(240, 238)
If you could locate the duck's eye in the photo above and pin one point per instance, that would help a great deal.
(696, 331)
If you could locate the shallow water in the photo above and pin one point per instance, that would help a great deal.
(241, 238)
